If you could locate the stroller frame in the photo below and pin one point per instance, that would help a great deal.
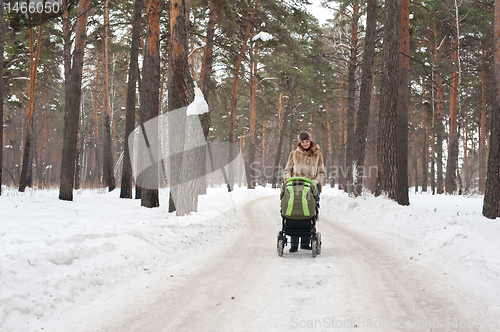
(300, 227)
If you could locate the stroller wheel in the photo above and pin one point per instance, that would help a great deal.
(281, 244)
(314, 245)
(318, 235)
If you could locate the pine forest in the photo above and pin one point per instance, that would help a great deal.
(399, 95)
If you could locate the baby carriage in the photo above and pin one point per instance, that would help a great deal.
(299, 212)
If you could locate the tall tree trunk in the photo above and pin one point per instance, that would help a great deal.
(107, 155)
(1, 95)
(365, 94)
(389, 100)
(491, 203)
(205, 77)
(402, 110)
(184, 192)
(72, 105)
(79, 151)
(206, 70)
(371, 148)
(263, 157)
(439, 135)
(482, 128)
(416, 152)
(342, 175)
(283, 128)
(465, 166)
(433, 160)
(26, 179)
(451, 171)
(329, 159)
(232, 123)
(439, 128)
(351, 95)
(427, 133)
(43, 139)
(97, 171)
(149, 107)
(133, 72)
(252, 117)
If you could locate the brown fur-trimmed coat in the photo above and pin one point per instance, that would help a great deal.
(306, 163)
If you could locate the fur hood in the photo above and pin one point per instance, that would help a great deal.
(306, 163)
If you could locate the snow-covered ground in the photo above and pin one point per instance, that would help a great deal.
(57, 257)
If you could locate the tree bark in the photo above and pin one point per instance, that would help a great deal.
(232, 110)
(342, 175)
(425, 149)
(252, 119)
(72, 105)
(44, 131)
(451, 171)
(389, 100)
(151, 85)
(205, 77)
(351, 94)
(329, 159)
(97, 170)
(365, 94)
(439, 128)
(133, 72)
(279, 151)
(482, 127)
(402, 110)
(283, 128)
(491, 203)
(206, 71)
(107, 157)
(1, 95)
(465, 166)
(26, 170)
(184, 192)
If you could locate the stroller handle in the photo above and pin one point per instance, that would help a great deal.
(298, 178)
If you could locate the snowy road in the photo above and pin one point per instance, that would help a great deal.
(242, 285)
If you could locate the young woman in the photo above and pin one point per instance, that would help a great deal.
(305, 161)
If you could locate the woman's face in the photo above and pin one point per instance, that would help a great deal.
(305, 144)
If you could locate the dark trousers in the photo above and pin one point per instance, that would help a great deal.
(304, 241)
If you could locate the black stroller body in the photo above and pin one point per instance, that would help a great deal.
(299, 213)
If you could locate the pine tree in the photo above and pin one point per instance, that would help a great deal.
(73, 89)
(1, 95)
(401, 188)
(133, 75)
(365, 94)
(26, 171)
(182, 200)
(108, 169)
(239, 60)
(150, 89)
(386, 148)
(351, 92)
(491, 204)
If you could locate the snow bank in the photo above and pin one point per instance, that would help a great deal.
(446, 232)
(56, 254)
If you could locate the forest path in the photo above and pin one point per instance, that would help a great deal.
(244, 286)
